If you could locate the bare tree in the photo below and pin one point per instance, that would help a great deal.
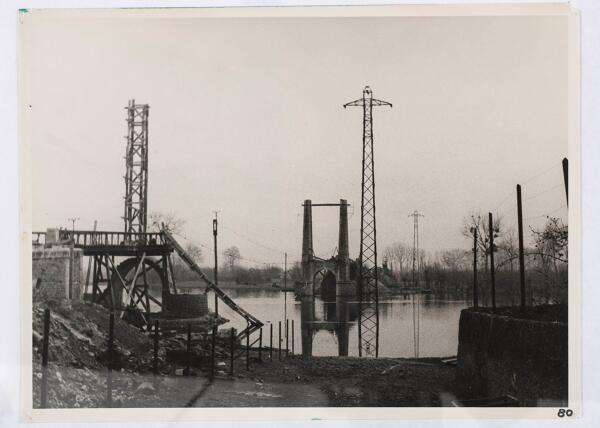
(195, 252)
(552, 243)
(552, 259)
(171, 222)
(400, 256)
(233, 255)
(479, 222)
(454, 260)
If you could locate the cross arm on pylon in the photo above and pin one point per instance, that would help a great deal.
(380, 103)
(361, 102)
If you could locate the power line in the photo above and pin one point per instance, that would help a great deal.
(547, 214)
(255, 242)
(241, 258)
(543, 192)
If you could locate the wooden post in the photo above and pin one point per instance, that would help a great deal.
(215, 227)
(231, 351)
(212, 352)
(475, 285)
(285, 287)
(521, 251)
(189, 349)
(260, 345)
(155, 361)
(111, 330)
(292, 336)
(279, 340)
(248, 351)
(271, 342)
(565, 165)
(492, 267)
(45, 344)
(287, 344)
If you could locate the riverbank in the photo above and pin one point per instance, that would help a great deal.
(193, 286)
(297, 381)
(77, 370)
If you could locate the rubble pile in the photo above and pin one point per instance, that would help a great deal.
(78, 356)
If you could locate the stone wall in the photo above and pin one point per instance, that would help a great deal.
(50, 269)
(186, 305)
(500, 354)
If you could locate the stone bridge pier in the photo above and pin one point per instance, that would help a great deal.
(327, 278)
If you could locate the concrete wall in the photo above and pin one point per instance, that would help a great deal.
(186, 305)
(500, 355)
(50, 268)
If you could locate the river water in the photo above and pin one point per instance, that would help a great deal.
(331, 328)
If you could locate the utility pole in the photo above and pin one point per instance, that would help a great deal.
(71, 255)
(215, 227)
(285, 288)
(521, 247)
(415, 279)
(87, 279)
(475, 286)
(492, 267)
(415, 253)
(368, 325)
(565, 165)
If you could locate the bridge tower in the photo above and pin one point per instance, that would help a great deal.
(368, 331)
(136, 173)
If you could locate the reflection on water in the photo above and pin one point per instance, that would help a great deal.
(324, 328)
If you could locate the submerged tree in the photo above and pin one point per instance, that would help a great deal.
(551, 258)
(478, 222)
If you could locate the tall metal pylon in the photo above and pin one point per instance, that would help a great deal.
(415, 253)
(136, 175)
(416, 268)
(368, 326)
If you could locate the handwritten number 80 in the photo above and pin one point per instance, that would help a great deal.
(565, 412)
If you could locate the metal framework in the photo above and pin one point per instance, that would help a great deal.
(368, 331)
(124, 286)
(416, 269)
(136, 163)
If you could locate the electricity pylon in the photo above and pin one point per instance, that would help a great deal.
(368, 326)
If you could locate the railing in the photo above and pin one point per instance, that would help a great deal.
(99, 238)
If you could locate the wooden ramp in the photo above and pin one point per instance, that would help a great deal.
(252, 322)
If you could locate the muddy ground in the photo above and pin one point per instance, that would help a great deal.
(77, 372)
(346, 381)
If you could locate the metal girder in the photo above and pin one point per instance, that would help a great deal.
(136, 175)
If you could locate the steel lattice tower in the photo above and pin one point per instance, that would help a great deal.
(368, 331)
(136, 175)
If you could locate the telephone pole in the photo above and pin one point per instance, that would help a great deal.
(71, 255)
(368, 325)
(215, 231)
(285, 287)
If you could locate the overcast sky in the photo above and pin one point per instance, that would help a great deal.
(246, 118)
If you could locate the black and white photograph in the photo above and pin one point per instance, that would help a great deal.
(310, 210)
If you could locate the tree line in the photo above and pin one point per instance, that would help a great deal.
(449, 273)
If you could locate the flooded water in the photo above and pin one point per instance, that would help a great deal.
(331, 328)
